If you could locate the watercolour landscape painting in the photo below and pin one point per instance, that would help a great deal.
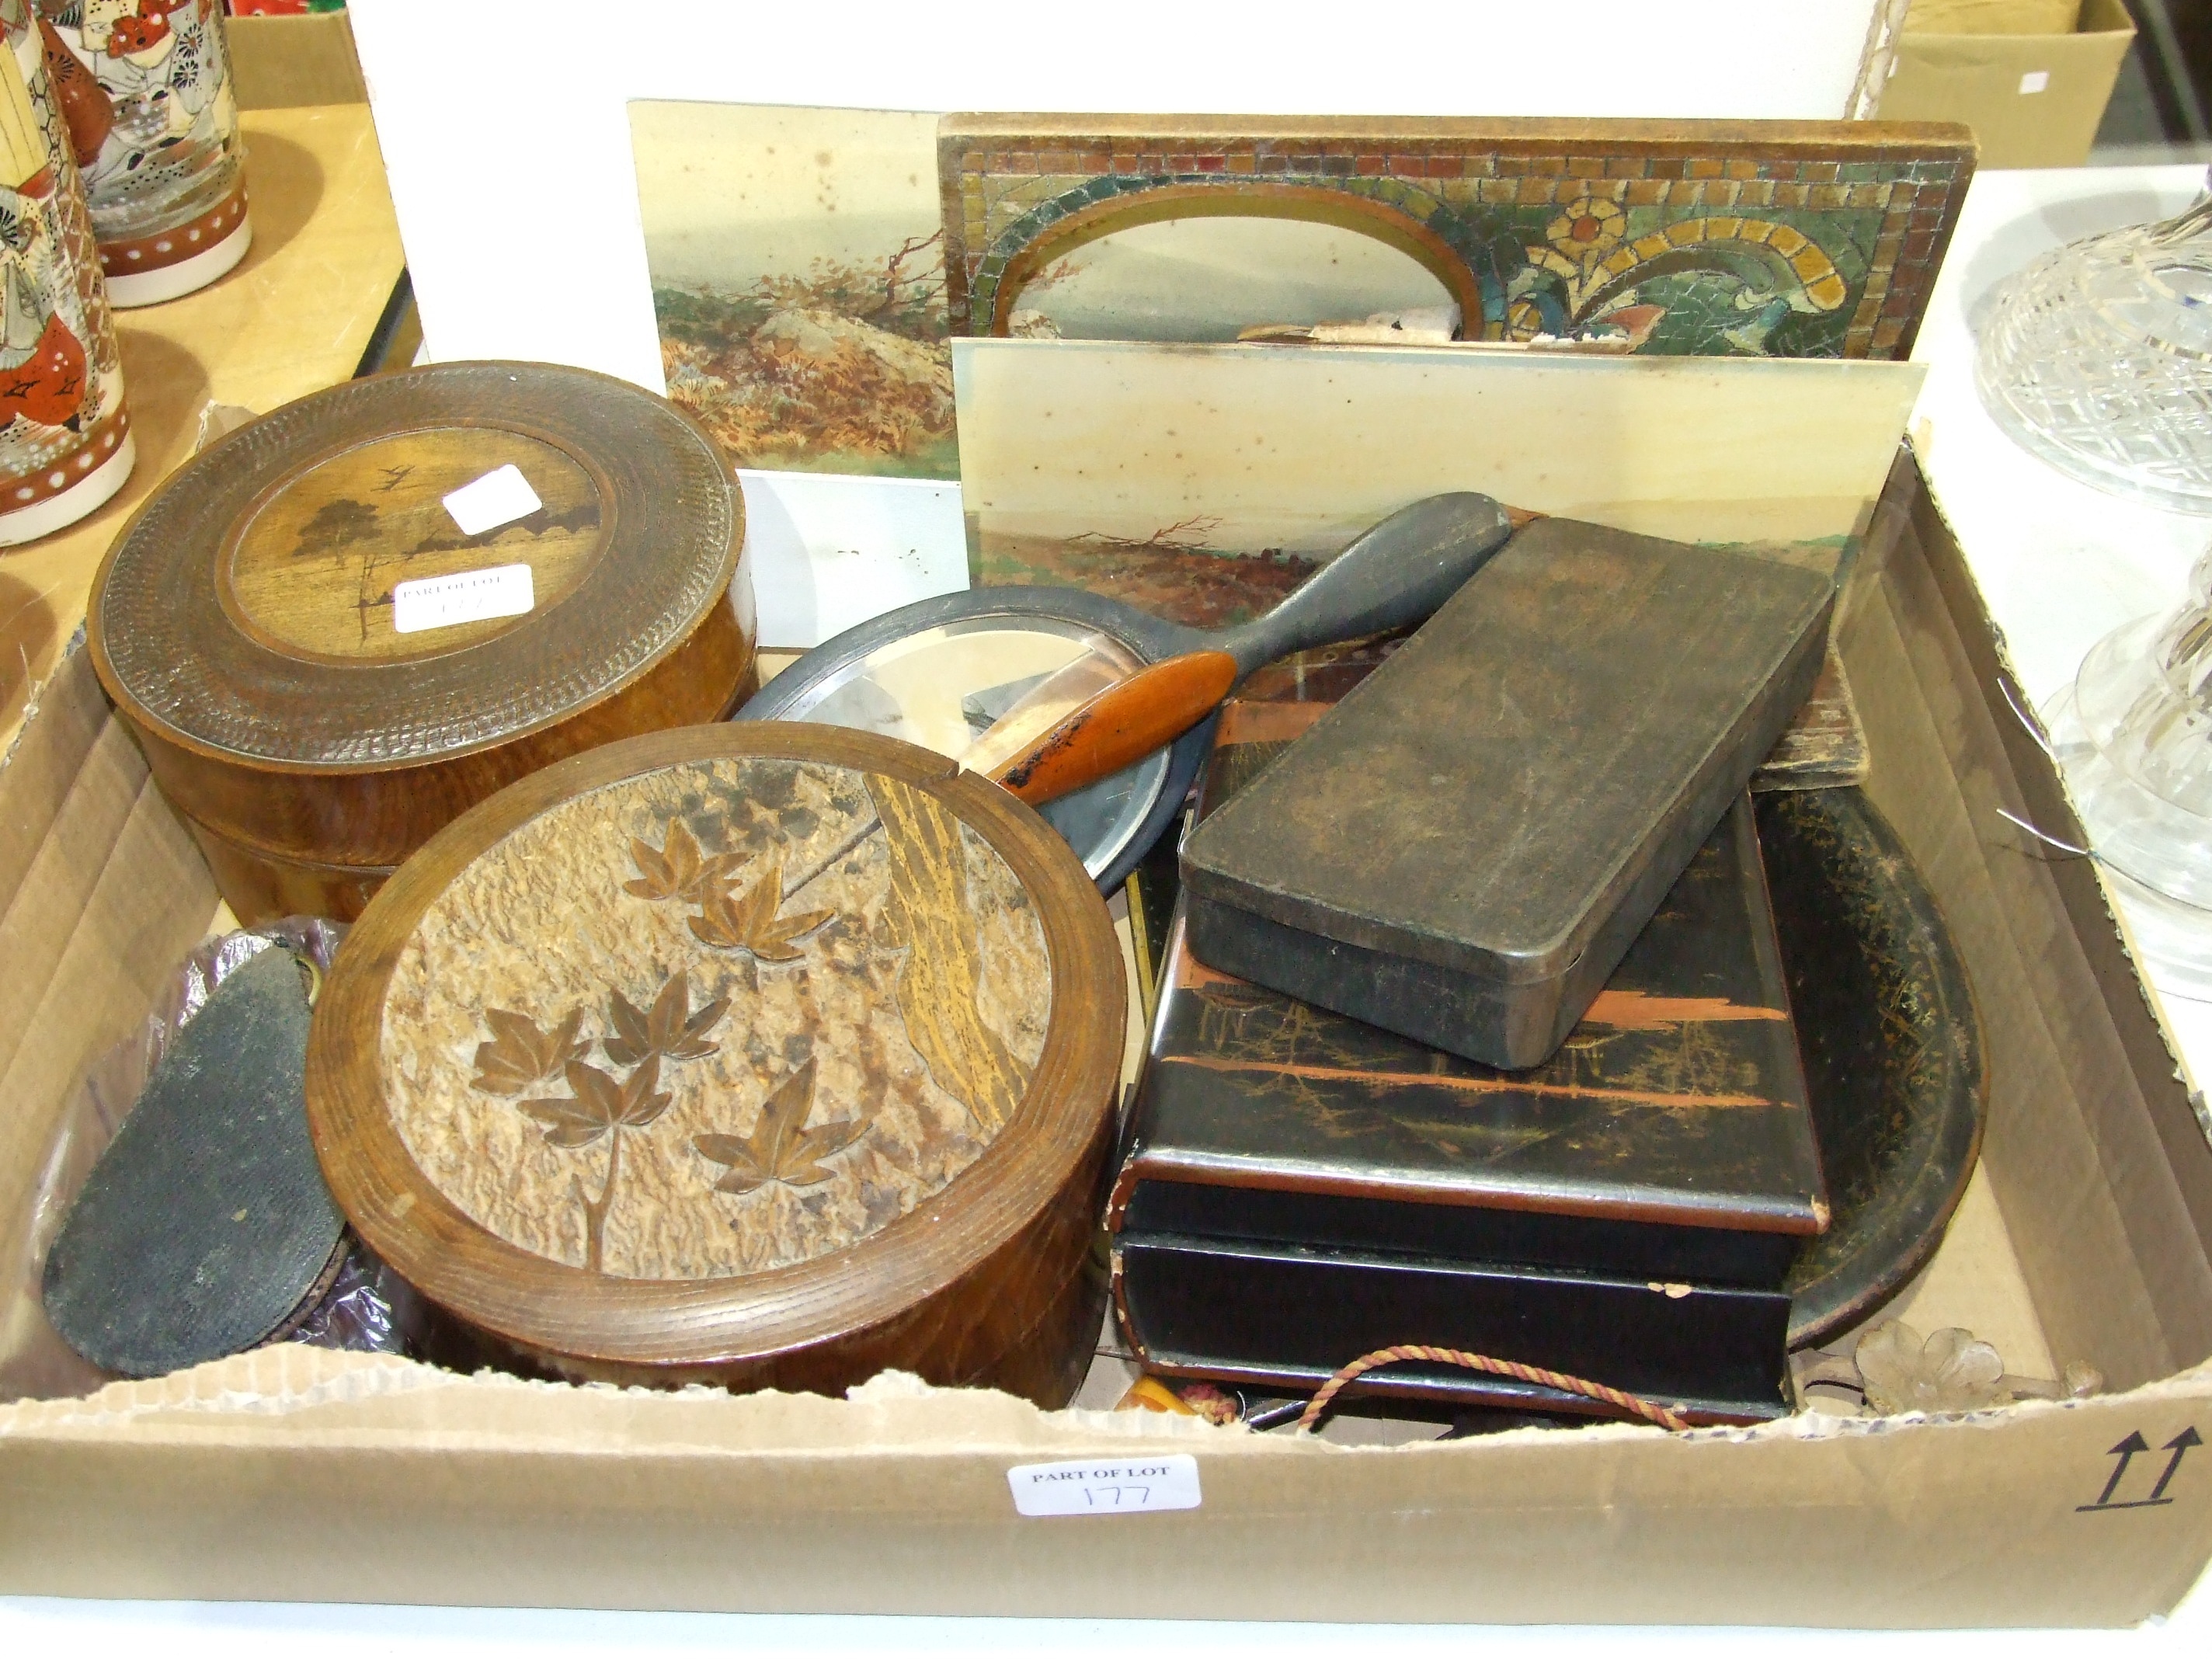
(1202, 483)
(820, 278)
(798, 283)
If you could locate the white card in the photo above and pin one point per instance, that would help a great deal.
(500, 496)
(827, 551)
(504, 590)
(1106, 1486)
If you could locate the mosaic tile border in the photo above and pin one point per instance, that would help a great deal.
(1846, 222)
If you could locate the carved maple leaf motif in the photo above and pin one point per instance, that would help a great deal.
(669, 1027)
(750, 923)
(520, 1055)
(677, 869)
(601, 1103)
(780, 1147)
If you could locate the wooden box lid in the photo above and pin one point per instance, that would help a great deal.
(247, 610)
(743, 1053)
(244, 622)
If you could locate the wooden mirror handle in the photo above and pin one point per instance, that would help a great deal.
(1120, 725)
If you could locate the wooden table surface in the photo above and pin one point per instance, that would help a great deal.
(294, 317)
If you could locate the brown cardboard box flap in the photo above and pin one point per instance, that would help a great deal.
(1993, 17)
(451, 1489)
(2033, 100)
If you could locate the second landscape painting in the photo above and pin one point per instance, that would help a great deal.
(798, 283)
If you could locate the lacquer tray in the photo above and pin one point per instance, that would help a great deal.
(1891, 1045)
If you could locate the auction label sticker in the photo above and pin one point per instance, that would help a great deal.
(500, 496)
(1111, 1487)
(504, 590)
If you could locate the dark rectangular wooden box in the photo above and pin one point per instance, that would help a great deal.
(1284, 1316)
(1297, 1183)
(1670, 1138)
(1463, 848)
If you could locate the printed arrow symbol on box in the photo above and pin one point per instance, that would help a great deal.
(2178, 1446)
(2126, 1451)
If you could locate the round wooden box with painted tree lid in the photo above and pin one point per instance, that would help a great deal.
(354, 618)
(759, 1054)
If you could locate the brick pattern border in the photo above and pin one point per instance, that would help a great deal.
(1003, 193)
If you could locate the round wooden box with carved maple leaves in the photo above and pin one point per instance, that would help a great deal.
(350, 620)
(764, 1055)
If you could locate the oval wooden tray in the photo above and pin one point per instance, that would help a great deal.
(1891, 1046)
(244, 622)
(761, 1054)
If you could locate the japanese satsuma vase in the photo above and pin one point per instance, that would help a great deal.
(144, 87)
(65, 444)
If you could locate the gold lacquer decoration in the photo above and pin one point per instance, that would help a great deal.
(937, 992)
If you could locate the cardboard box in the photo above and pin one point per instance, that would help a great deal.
(2033, 100)
(282, 61)
(295, 1473)
(1993, 17)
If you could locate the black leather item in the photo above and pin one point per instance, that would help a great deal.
(206, 1223)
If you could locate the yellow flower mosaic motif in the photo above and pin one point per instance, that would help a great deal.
(1587, 228)
(1523, 321)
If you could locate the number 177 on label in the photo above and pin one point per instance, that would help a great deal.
(1113, 1487)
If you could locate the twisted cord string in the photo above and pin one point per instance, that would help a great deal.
(1368, 1362)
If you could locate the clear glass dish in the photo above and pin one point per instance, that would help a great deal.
(2098, 358)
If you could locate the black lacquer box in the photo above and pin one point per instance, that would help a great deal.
(1300, 1189)
(1463, 848)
